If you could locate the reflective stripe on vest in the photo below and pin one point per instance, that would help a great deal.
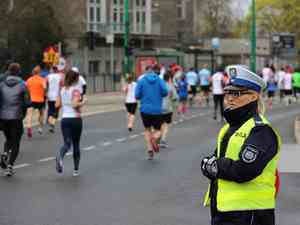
(258, 193)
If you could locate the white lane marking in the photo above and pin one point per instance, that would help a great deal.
(22, 166)
(107, 143)
(134, 136)
(121, 139)
(89, 148)
(46, 159)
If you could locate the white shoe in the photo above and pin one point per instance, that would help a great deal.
(75, 173)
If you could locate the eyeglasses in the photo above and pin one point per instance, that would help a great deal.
(237, 93)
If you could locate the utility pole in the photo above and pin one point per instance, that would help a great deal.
(253, 38)
(126, 38)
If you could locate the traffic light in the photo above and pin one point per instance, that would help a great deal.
(91, 40)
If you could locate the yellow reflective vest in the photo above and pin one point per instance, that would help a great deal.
(256, 194)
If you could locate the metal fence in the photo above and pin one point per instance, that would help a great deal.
(104, 82)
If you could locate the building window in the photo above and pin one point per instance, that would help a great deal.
(95, 15)
(139, 19)
(117, 15)
(181, 9)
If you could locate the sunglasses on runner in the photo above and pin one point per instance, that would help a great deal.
(235, 93)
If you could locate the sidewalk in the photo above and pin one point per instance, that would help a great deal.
(97, 103)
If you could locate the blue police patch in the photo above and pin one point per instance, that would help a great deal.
(249, 154)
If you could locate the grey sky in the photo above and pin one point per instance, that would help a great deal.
(240, 6)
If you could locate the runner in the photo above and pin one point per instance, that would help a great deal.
(192, 80)
(150, 91)
(71, 124)
(53, 82)
(14, 100)
(204, 77)
(271, 86)
(296, 83)
(280, 76)
(168, 106)
(287, 87)
(182, 90)
(130, 102)
(81, 84)
(37, 88)
(218, 84)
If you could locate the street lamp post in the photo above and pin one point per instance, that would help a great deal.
(253, 37)
(126, 37)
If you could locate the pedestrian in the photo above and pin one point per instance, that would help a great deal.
(71, 125)
(130, 101)
(168, 106)
(81, 84)
(296, 83)
(218, 83)
(53, 83)
(150, 91)
(14, 100)
(36, 85)
(182, 90)
(204, 77)
(192, 80)
(243, 169)
(288, 87)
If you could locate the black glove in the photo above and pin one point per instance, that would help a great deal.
(209, 167)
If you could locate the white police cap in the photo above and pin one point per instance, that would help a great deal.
(241, 76)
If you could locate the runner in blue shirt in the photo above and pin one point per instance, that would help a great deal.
(204, 77)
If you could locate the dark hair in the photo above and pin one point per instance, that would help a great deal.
(71, 78)
(14, 68)
(167, 75)
(129, 78)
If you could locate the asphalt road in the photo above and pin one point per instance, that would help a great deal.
(118, 186)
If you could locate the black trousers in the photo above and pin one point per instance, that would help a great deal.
(219, 103)
(255, 217)
(13, 131)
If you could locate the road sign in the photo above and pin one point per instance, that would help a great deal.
(110, 38)
(62, 64)
(51, 56)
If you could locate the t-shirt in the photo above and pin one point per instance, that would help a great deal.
(217, 83)
(204, 76)
(296, 79)
(130, 97)
(67, 95)
(192, 78)
(81, 82)
(54, 82)
(266, 72)
(36, 86)
(182, 88)
(287, 81)
(280, 76)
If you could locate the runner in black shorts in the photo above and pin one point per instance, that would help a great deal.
(131, 107)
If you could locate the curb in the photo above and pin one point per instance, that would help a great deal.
(297, 129)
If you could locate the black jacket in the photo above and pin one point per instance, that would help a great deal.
(14, 98)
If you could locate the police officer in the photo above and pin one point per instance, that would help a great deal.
(242, 170)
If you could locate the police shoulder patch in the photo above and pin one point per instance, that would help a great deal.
(249, 154)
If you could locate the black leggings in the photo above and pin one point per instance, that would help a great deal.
(219, 101)
(13, 131)
(71, 130)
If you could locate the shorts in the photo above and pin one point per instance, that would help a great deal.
(167, 118)
(52, 110)
(205, 88)
(296, 90)
(288, 92)
(131, 107)
(183, 99)
(271, 94)
(38, 105)
(154, 121)
(193, 90)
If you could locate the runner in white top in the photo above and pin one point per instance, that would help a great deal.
(130, 102)
(280, 76)
(288, 87)
(81, 84)
(218, 84)
(53, 81)
(71, 124)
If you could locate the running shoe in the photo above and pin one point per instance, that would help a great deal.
(150, 155)
(59, 164)
(75, 173)
(155, 145)
(163, 144)
(3, 163)
(9, 171)
(51, 128)
(40, 130)
(29, 132)
(129, 129)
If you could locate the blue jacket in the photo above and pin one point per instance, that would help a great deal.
(150, 90)
(182, 87)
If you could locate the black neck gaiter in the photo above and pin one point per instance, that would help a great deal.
(240, 115)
